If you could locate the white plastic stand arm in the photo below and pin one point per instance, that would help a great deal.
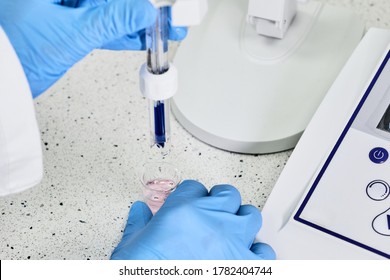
(185, 12)
(188, 12)
(272, 17)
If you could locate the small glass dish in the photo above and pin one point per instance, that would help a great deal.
(158, 179)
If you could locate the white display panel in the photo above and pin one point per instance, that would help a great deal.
(332, 200)
(349, 198)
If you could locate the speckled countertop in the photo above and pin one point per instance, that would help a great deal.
(94, 127)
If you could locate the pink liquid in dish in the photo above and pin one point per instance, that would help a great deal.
(156, 191)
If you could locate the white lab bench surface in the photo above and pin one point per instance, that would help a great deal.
(95, 136)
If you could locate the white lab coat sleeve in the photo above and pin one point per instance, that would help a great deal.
(20, 145)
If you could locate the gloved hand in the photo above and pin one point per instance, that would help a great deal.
(49, 36)
(194, 224)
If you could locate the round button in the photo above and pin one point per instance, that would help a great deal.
(378, 190)
(378, 155)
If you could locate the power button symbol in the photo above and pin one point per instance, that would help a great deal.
(378, 155)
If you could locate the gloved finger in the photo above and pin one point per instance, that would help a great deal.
(224, 198)
(128, 42)
(136, 41)
(177, 33)
(188, 189)
(79, 3)
(121, 17)
(139, 216)
(68, 3)
(263, 251)
(251, 221)
(87, 3)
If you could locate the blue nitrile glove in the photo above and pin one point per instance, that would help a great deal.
(194, 224)
(49, 36)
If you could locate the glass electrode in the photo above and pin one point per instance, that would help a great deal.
(157, 64)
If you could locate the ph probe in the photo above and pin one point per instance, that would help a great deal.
(159, 80)
(158, 77)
